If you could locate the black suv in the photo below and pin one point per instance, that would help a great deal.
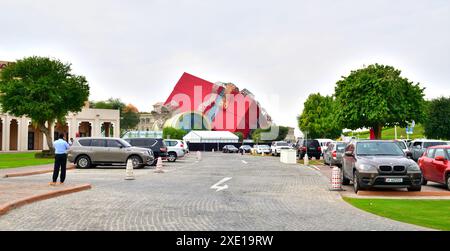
(310, 146)
(158, 146)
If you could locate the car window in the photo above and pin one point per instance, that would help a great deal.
(113, 143)
(85, 142)
(430, 144)
(430, 153)
(401, 144)
(440, 153)
(98, 143)
(340, 147)
(448, 152)
(418, 143)
(378, 148)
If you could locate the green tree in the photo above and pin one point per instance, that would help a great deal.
(173, 133)
(319, 117)
(437, 120)
(240, 135)
(282, 133)
(42, 89)
(377, 96)
(129, 115)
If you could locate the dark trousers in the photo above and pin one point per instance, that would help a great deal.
(60, 163)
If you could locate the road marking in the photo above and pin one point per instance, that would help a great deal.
(220, 188)
(315, 167)
(245, 162)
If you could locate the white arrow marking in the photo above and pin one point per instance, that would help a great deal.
(245, 162)
(220, 188)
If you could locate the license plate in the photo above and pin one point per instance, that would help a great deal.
(394, 180)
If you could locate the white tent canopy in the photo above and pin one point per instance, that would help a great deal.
(211, 137)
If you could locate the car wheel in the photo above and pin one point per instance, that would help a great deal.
(155, 161)
(414, 188)
(345, 180)
(448, 181)
(83, 162)
(424, 181)
(172, 157)
(356, 185)
(136, 161)
(318, 157)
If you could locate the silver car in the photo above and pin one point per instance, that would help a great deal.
(333, 153)
(90, 152)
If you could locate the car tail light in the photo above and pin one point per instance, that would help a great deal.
(304, 148)
(163, 149)
(334, 154)
(181, 145)
(319, 149)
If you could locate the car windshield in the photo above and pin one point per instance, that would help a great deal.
(264, 146)
(282, 144)
(401, 144)
(340, 147)
(378, 148)
(125, 143)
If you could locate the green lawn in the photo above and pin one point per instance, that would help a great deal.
(427, 213)
(389, 133)
(14, 160)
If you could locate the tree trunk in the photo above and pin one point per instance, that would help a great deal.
(47, 132)
(377, 129)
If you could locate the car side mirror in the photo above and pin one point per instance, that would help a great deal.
(440, 158)
(349, 153)
(409, 155)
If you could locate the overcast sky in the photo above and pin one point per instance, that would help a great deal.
(137, 50)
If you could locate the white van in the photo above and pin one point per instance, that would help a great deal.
(324, 144)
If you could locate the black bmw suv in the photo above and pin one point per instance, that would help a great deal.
(158, 146)
(310, 147)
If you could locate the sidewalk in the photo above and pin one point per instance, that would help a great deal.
(17, 192)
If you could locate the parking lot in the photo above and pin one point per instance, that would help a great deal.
(256, 193)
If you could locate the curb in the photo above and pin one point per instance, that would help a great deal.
(21, 202)
(21, 174)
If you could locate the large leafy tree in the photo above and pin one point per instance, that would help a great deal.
(129, 114)
(319, 117)
(42, 89)
(282, 133)
(437, 120)
(377, 96)
(173, 133)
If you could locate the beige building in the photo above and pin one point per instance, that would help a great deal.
(19, 134)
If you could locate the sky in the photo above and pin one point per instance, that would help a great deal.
(282, 51)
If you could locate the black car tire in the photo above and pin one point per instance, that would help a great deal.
(137, 161)
(414, 188)
(448, 181)
(345, 180)
(424, 181)
(172, 157)
(356, 184)
(155, 161)
(318, 157)
(83, 162)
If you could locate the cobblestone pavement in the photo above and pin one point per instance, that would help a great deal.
(263, 194)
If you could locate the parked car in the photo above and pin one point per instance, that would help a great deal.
(90, 152)
(230, 149)
(175, 149)
(377, 163)
(311, 147)
(263, 149)
(324, 144)
(333, 153)
(435, 165)
(245, 149)
(277, 146)
(419, 146)
(158, 147)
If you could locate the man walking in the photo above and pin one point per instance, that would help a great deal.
(61, 147)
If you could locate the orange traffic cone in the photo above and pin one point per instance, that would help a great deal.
(159, 166)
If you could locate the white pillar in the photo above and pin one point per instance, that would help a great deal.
(6, 132)
(4, 135)
(116, 128)
(23, 134)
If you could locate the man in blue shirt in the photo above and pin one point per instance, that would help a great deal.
(61, 147)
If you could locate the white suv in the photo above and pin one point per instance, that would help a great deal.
(175, 149)
(277, 146)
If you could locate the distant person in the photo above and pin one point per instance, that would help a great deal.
(71, 142)
(61, 147)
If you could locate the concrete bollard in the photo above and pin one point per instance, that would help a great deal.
(306, 160)
(129, 171)
(263, 154)
(199, 155)
(213, 150)
(336, 182)
(159, 166)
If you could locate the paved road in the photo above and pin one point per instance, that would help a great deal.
(262, 195)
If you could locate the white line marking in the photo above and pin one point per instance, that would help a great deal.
(220, 188)
(315, 167)
(245, 162)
